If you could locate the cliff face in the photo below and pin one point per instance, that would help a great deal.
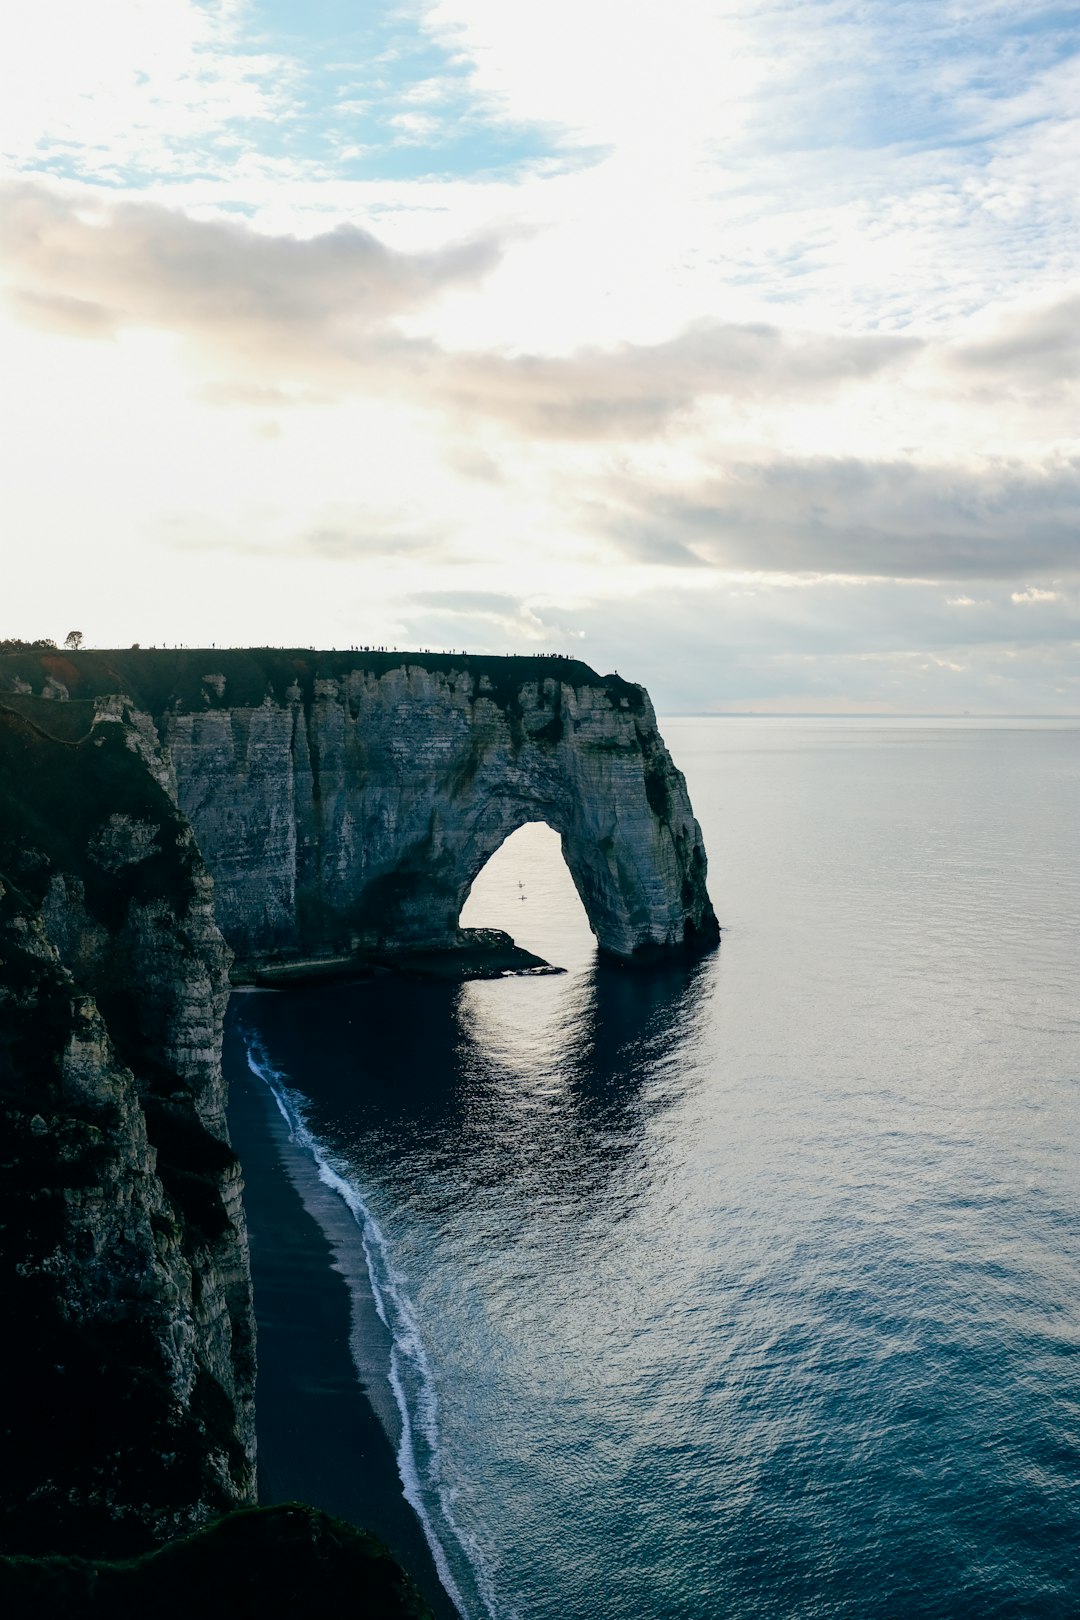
(128, 1398)
(345, 800)
(364, 814)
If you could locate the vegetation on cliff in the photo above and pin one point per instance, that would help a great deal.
(257, 1564)
(157, 678)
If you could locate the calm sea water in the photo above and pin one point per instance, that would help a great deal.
(749, 1288)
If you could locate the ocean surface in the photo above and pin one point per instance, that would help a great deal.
(746, 1288)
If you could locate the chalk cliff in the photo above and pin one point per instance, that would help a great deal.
(298, 804)
(129, 1336)
(349, 800)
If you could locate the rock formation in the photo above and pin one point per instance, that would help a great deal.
(129, 1337)
(345, 801)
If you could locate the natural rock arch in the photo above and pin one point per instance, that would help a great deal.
(349, 800)
(622, 874)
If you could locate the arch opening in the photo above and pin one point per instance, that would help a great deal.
(525, 888)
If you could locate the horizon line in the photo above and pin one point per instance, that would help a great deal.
(862, 714)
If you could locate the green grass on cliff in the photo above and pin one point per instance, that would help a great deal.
(160, 678)
(257, 1564)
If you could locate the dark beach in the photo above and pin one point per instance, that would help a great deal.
(319, 1438)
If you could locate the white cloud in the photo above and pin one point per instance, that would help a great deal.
(861, 518)
(1026, 348)
(279, 301)
(322, 309)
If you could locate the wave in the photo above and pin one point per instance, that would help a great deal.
(419, 1455)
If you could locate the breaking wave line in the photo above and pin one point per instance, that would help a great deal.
(419, 1457)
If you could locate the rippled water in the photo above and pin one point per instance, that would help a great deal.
(750, 1288)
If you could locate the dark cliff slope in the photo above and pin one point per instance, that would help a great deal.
(258, 1564)
(127, 1369)
(126, 1398)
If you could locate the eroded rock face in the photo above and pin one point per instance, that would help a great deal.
(128, 1400)
(358, 809)
(344, 800)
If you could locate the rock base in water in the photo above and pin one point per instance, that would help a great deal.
(473, 953)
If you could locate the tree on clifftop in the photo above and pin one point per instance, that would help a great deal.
(73, 639)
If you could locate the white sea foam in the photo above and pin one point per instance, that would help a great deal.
(419, 1454)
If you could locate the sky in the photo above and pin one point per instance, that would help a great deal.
(733, 345)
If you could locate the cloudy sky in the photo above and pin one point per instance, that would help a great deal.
(732, 344)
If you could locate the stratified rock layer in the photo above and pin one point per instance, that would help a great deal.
(347, 800)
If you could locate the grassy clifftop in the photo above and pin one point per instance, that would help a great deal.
(159, 678)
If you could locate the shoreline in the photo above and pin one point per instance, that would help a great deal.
(325, 1417)
(473, 953)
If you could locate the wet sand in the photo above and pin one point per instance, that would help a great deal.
(320, 1438)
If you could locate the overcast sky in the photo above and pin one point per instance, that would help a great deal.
(731, 344)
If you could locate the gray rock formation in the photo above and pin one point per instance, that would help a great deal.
(361, 811)
(346, 801)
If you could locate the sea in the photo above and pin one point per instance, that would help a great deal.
(745, 1288)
